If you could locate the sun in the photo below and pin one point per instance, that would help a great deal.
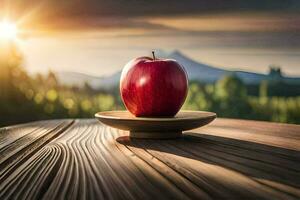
(8, 30)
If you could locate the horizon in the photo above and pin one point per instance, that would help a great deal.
(101, 61)
(170, 53)
(98, 37)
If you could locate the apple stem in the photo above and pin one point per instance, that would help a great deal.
(153, 55)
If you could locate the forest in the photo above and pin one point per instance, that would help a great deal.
(25, 97)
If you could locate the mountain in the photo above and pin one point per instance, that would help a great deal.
(79, 79)
(196, 71)
(208, 74)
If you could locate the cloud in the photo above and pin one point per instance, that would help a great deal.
(143, 16)
(247, 22)
(95, 8)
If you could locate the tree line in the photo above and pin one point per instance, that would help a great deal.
(26, 98)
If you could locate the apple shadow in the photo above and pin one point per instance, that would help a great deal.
(249, 158)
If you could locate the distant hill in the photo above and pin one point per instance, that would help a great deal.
(196, 71)
(79, 79)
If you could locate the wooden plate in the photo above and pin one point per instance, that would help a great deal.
(155, 128)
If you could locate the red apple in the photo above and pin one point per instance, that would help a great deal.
(153, 87)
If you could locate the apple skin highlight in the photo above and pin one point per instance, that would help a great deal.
(152, 87)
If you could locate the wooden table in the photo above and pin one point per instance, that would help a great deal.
(82, 159)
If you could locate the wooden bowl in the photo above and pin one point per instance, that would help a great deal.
(154, 127)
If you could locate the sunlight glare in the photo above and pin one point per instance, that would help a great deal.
(8, 30)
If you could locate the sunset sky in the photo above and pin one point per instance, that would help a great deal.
(98, 37)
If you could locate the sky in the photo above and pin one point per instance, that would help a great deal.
(99, 37)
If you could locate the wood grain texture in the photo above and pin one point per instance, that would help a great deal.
(83, 159)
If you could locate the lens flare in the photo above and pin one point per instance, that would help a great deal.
(8, 30)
